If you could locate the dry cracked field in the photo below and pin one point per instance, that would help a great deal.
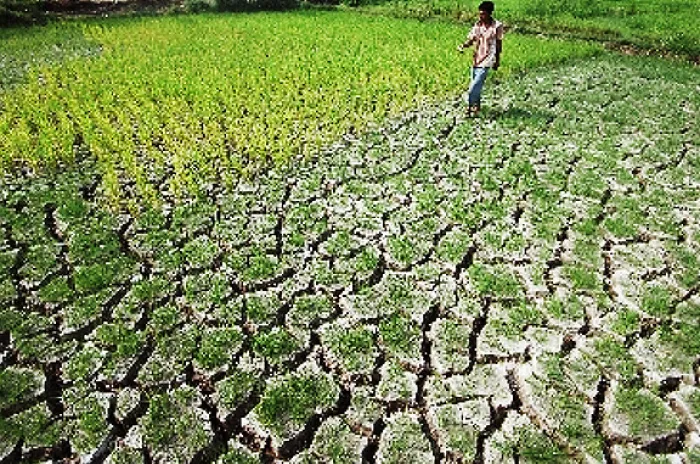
(518, 288)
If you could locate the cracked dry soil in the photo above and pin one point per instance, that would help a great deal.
(517, 288)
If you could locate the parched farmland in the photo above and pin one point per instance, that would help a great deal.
(522, 287)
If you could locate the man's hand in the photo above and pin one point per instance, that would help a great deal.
(464, 46)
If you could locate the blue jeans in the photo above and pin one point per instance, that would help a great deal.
(477, 83)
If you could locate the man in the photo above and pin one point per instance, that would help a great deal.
(487, 34)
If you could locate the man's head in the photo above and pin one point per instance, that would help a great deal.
(486, 10)
(487, 7)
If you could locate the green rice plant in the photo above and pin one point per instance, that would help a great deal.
(250, 91)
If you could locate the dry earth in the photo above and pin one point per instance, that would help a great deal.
(517, 288)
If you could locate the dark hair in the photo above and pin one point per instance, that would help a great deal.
(487, 6)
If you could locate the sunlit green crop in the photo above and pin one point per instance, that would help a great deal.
(189, 101)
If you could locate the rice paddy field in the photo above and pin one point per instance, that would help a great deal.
(245, 238)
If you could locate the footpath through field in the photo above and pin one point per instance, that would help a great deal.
(520, 287)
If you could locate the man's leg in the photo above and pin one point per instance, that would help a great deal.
(475, 87)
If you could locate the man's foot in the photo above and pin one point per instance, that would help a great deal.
(474, 111)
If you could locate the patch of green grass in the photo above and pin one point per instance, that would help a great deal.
(454, 246)
(293, 399)
(83, 364)
(627, 218)
(126, 455)
(658, 301)
(367, 260)
(567, 406)
(352, 347)
(206, 288)
(310, 309)
(40, 261)
(335, 443)
(494, 281)
(693, 400)
(164, 319)
(661, 24)
(152, 289)
(91, 425)
(582, 277)
(534, 446)
(339, 244)
(625, 322)
(276, 345)
(683, 339)
(571, 309)
(239, 456)
(614, 358)
(84, 309)
(200, 252)
(404, 441)
(23, 49)
(35, 426)
(260, 266)
(171, 425)
(17, 385)
(237, 387)
(261, 309)
(400, 335)
(7, 290)
(646, 413)
(461, 433)
(57, 290)
(403, 249)
(218, 346)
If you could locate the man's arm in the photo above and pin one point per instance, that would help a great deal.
(499, 47)
(465, 45)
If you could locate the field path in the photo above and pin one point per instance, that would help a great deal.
(522, 287)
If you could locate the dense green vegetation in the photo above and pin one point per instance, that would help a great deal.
(212, 97)
(663, 25)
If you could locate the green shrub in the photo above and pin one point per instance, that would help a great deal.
(19, 12)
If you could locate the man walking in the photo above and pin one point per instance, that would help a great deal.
(487, 34)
